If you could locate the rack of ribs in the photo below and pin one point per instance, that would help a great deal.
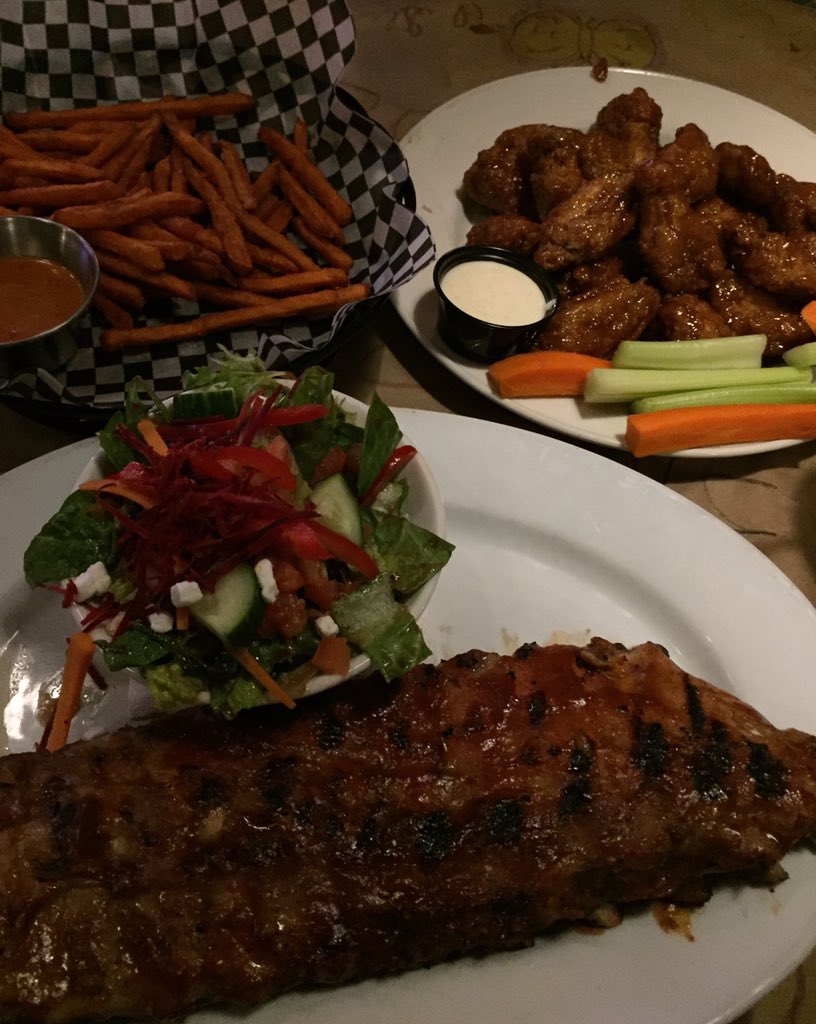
(379, 827)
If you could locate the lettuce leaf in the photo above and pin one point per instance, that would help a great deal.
(76, 536)
(409, 553)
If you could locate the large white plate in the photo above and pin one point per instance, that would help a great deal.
(443, 145)
(552, 542)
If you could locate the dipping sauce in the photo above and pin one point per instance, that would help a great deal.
(495, 293)
(36, 295)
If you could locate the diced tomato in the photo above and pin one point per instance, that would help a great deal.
(285, 617)
(299, 538)
(332, 656)
(333, 462)
(287, 577)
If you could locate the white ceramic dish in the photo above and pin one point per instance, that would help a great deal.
(424, 507)
(552, 542)
(443, 145)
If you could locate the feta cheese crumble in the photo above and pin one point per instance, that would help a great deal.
(185, 593)
(160, 622)
(93, 582)
(326, 626)
(265, 574)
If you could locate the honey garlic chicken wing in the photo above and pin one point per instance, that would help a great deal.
(499, 176)
(626, 132)
(595, 321)
(686, 317)
(555, 177)
(688, 167)
(680, 248)
(745, 176)
(588, 224)
(750, 310)
(507, 231)
(793, 209)
(781, 264)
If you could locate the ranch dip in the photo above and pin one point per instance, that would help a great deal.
(494, 292)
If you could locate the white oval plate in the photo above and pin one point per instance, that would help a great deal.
(552, 543)
(443, 145)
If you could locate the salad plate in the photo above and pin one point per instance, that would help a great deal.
(423, 506)
(443, 145)
(561, 545)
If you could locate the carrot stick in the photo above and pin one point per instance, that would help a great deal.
(542, 374)
(81, 650)
(147, 429)
(671, 430)
(809, 315)
(260, 675)
(117, 488)
(182, 619)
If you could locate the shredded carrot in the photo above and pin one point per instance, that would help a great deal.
(542, 374)
(332, 656)
(121, 490)
(77, 662)
(260, 675)
(809, 315)
(671, 430)
(182, 619)
(147, 429)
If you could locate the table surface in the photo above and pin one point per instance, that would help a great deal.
(412, 57)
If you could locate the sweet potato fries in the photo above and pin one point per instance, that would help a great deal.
(173, 213)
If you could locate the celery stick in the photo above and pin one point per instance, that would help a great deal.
(741, 352)
(757, 394)
(801, 355)
(617, 385)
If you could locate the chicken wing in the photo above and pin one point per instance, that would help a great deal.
(750, 310)
(596, 320)
(680, 248)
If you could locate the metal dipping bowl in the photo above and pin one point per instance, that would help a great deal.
(46, 239)
(478, 339)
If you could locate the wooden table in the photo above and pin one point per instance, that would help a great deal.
(412, 57)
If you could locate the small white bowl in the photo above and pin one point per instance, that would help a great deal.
(424, 507)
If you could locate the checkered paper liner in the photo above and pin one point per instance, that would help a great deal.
(290, 57)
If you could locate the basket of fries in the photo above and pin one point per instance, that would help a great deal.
(234, 194)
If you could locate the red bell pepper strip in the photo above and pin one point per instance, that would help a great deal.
(394, 464)
(256, 458)
(346, 550)
(290, 415)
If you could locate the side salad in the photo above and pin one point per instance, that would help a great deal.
(246, 537)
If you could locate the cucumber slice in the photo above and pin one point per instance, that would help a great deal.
(199, 405)
(337, 507)
(234, 609)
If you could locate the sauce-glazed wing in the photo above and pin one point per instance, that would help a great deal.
(595, 320)
(687, 167)
(793, 209)
(745, 176)
(499, 176)
(507, 231)
(688, 317)
(750, 310)
(626, 132)
(587, 225)
(680, 248)
(782, 264)
(464, 808)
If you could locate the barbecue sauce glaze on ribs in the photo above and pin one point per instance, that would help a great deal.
(464, 808)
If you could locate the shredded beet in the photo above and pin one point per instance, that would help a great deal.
(217, 500)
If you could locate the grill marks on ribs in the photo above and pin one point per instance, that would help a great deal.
(466, 807)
